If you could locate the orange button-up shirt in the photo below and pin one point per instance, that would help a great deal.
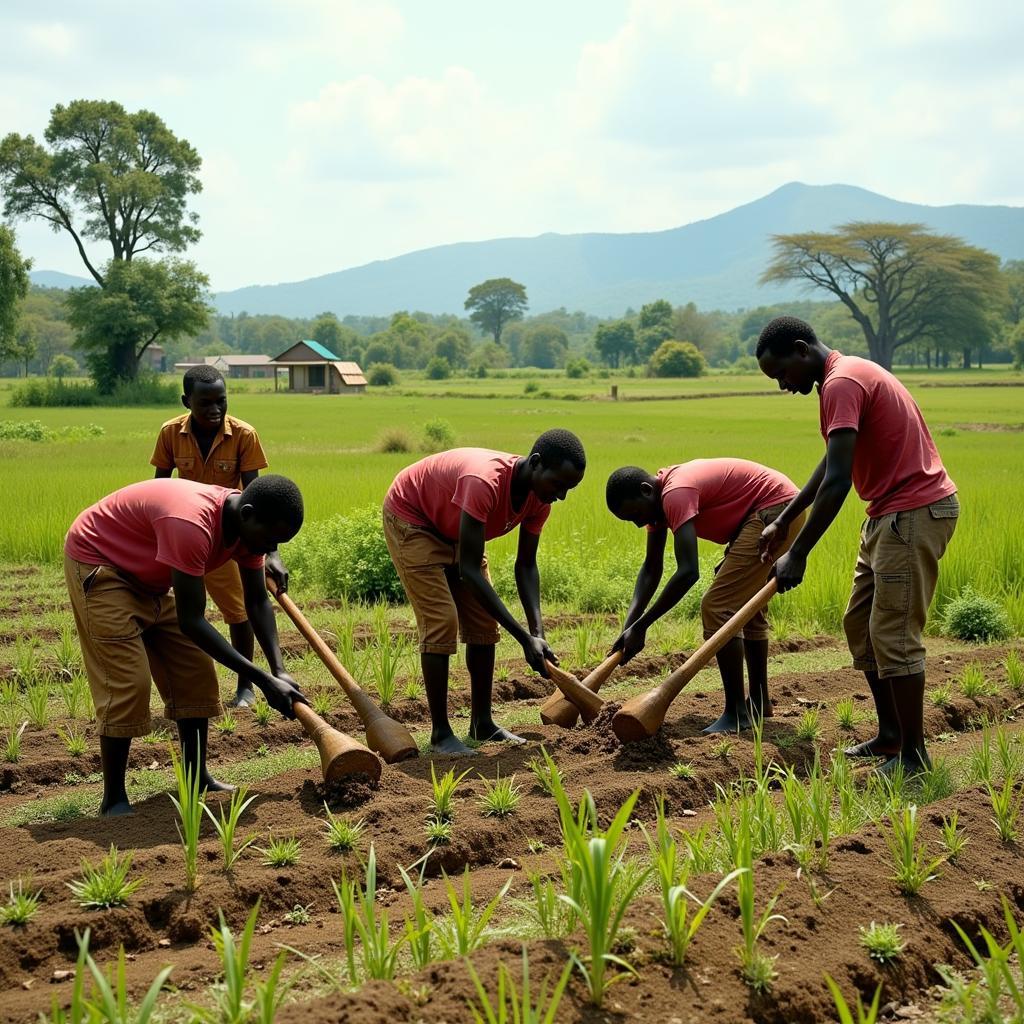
(235, 450)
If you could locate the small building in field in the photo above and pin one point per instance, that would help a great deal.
(237, 367)
(154, 358)
(316, 370)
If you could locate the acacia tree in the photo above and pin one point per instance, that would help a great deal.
(14, 282)
(124, 179)
(496, 303)
(900, 282)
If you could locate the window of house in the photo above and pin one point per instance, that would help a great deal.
(316, 376)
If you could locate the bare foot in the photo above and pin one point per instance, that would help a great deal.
(492, 733)
(116, 810)
(874, 748)
(450, 744)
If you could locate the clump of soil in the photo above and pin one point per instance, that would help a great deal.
(347, 793)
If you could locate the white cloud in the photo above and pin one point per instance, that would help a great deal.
(50, 39)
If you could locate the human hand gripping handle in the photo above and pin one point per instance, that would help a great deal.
(277, 571)
(536, 651)
(281, 692)
(769, 542)
(631, 642)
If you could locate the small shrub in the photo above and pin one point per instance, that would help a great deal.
(531, 387)
(974, 617)
(438, 435)
(107, 885)
(394, 440)
(346, 557)
(882, 942)
(682, 770)
(381, 375)
(281, 853)
(677, 359)
(438, 368)
(298, 915)
(21, 906)
(24, 430)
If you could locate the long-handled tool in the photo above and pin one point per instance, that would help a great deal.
(556, 710)
(340, 755)
(389, 738)
(586, 701)
(643, 716)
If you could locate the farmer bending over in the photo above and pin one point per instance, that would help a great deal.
(121, 557)
(438, 514)
(726, 501)
(875, 439)
(211, 447)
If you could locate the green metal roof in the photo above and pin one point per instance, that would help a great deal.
(321, 351)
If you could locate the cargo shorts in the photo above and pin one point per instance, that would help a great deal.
(224, 587)
(741, 574)
(129, 636)
(893, 584)
(446, 608)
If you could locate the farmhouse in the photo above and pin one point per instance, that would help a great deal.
(314, 369)
(238, 367)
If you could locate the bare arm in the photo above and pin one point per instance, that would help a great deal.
(528, 580)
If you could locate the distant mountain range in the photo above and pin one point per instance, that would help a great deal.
(715, 262)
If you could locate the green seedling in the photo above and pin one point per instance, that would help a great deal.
(227, 824)
(846, 715)
(26, 661)
(189, 803)
(342, 834)
(438, 831)
(937, 782)
(261, 711)
(973, 682)
(723, 749)
(819, 806)
(953, 839)
(1015, 672)
(419, 928)
(74, 741)
(106, 885)
(323, 703)
(10, 692)
(553, 917)
(12, 747)
(108, 1001)
(227, 724)
(546, 772)
(37, 701)
(444, 792)
(700, 847)
(683, 770)
(67, 654)
(76, 697)
(516, 1005)
(390, 653)
(809, 727)
(21, 905)
(281, 853)
(536, 845)
(846, 1016)
(501, 797)
(882, 942)
(1006, 807)
(941, 696)
(465, 929)
(1008, 754)
(298, 915)
(413, 690)
(912, 864)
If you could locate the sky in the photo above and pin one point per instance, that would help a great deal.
(336, 132)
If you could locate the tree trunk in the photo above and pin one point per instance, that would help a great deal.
(967, 357)
(928, 358)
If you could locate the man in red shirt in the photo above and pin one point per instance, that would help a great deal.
(876, 441)
(122, 556)
(726, 501)
(438, 515)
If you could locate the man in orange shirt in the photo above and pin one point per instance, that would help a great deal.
(210, 447)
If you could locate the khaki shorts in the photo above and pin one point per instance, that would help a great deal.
(893, 583)
(224, 587)
(447, 609)
(741, 574)
(127, 636)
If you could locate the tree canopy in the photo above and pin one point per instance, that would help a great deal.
(900, 282)
(496, 303)
(14, 283)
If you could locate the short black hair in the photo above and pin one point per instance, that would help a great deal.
(557, 446)
(202, 374)
(780, 334)
(276, 500)
(624, 485)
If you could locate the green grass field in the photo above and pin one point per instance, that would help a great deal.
(328, 445)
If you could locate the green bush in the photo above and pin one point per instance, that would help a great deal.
(438, 435)
(148, 389)
(531, 387)
(577, 368)
(677, 359)
(439, 368)
(394, 440)
(346, 557)
(382, 375)
(62, 366)
(24, 430)
(975, 617)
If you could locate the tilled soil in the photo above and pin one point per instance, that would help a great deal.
(165, 925)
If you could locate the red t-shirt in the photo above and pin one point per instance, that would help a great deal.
(434, 492)
(719, 494)
(895, 463)
(148, 529)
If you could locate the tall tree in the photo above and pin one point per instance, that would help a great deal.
(616, 342)
(495, 303)
(545, 346)
(900, 282)
(141, 302)
(106, 175)
(14, 282)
